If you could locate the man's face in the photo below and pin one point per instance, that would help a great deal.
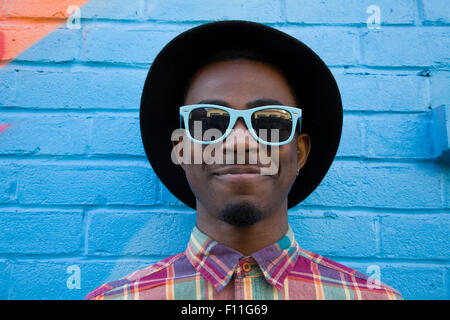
(233, 192)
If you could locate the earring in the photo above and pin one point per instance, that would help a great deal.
(298, 170)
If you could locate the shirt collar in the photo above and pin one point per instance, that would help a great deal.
(217, 262)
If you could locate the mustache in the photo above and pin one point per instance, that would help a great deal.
(255, 156)
(246, 163)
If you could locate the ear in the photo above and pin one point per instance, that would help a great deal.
(303, 148)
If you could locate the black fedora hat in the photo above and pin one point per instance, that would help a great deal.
(309, 77)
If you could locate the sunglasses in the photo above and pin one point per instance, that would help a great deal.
(269, 125)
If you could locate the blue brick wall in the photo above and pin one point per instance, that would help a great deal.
(76, 188)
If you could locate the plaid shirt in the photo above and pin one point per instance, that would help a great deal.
(210, 270)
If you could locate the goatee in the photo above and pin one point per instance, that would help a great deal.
(242, 214)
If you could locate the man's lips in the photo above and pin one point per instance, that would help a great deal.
(236, 170)
(245, 173)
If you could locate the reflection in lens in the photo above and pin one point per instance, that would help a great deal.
(266, 120)
(208, 118)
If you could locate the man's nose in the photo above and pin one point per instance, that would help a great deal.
(238, 136)
(240, 142)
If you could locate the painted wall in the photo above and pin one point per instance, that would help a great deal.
(80, 205)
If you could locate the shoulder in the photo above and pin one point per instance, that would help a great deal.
(144, 279)
(333, 274)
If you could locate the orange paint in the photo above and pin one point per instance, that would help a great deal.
(2, 45)
(24, 22)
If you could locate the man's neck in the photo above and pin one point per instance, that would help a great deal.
(246, 240)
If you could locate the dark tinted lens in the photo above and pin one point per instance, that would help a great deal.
(272, 125)
(203, 119)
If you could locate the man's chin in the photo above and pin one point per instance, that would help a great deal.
(241, 214)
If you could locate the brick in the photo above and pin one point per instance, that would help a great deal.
(351, 138)
(116, 135)
(436, 11)
(447, 274)
(197, 10)
(7, 86)
(332, 234)
(446, 178)
(126, 44)
(415, 236)
(47, 280)
(415, 282)
(335, 46)
(4, 277)
(379, 185)
(404, 47)
(398, 136)
(40, 232)
(113, 9)
(399, 92)
(112, 233)
(440, 133)
(88, 183)
(44, 135)
(8, 183)
(61, 45)
(439, 102)
(353, 11)
(439, 84)
(80, 87)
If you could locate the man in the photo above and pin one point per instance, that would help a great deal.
(238, 79)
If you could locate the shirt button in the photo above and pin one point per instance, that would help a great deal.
(246, 266)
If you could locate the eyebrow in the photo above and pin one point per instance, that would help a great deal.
(251, 104)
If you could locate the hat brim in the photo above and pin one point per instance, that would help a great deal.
(308, 75)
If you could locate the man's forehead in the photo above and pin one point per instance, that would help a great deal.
(247, 83)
